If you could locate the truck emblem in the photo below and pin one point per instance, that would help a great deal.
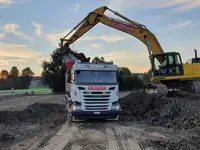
(96, 88)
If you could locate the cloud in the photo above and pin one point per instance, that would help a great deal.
(54, 38)
(116, 56)
(39, 60)
(137, 69)
(180, 25)
(6, 1)
(178, 5)
(2, 35)
(106, 38)
(76, 7)
(3, 62)
(17, 51)
(128, 58)
(96, 45)
(188, 6)
(12, 29)
(18, 60)
(38, 28)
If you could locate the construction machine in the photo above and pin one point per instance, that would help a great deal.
(91, 89)
(169, 73)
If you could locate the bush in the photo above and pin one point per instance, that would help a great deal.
(132, 82)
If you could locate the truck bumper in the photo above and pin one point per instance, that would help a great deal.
(92, 114)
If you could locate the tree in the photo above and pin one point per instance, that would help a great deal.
(25, 78)
(147, 77)
(54, 72)
(27, 72)
(126, 71)
(101, 60)
(14, 71)
(4, 74)
(131, 83)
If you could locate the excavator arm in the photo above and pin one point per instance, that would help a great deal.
(128, 26)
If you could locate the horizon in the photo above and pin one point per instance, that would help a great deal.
(31, 30)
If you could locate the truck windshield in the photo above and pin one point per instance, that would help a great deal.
(96, 77)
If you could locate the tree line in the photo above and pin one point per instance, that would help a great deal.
(15, 79)
(54, 73)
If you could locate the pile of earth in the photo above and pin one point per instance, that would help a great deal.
(33, 113)
(180, 111)
(35, 120)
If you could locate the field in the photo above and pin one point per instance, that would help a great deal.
(35, 90)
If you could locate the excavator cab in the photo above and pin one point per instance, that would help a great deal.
(167, 64)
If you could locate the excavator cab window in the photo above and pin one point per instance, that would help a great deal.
(167, 64)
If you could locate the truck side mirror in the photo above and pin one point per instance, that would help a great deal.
(69, 78)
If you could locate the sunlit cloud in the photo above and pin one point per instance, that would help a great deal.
(38, 28)
(19, 51)
(180, 25)
(96, 45)
(13, 29)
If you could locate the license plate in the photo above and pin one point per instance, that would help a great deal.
(96, 113)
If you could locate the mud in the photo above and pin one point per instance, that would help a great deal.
(35, 120)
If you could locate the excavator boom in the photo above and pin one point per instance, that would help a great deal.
(126, 25)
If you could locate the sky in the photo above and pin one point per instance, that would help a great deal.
(30, 30)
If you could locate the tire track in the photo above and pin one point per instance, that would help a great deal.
(112, 141)
(127, 143)
(62, 138)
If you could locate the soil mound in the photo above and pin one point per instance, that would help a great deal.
(32, 113)
(181, 111)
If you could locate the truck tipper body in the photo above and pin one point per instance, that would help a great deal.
(92, 91)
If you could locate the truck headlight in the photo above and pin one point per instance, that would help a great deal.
(116, 107)
(74, 107)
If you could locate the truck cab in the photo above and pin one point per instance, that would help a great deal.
(92, 91)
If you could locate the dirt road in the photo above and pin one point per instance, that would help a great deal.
(43, 126)
(21, 102)
(106, 136)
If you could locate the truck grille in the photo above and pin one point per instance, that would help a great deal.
(96, 101)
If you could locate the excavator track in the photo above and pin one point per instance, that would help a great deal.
(194, 87)
(160, 89)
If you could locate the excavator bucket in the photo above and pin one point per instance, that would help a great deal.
(70, 57)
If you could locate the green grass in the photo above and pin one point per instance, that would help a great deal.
(36, 90)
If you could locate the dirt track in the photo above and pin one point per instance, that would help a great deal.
(109, 136)
(44, 126)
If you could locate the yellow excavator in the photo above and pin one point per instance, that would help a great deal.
(169, 73)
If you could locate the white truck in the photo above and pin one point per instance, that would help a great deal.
(91, 90)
